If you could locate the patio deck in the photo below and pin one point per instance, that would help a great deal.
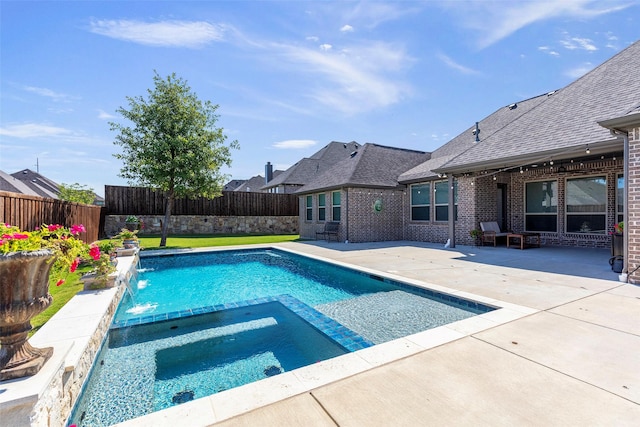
(573, 362)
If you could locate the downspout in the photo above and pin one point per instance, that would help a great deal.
(346, 217)
(625, 210)
(452, 212)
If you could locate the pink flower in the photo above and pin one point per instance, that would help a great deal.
(7, 236)
(77, 229)
(74, 265)
(94, 252)
(59, 282)
(53, 227)
(20, 236)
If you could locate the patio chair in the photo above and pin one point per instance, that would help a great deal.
(491, 232)
(330, 229)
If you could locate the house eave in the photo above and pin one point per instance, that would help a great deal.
(599, 148)
(626, 122)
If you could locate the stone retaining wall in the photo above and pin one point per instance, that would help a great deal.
(208, 224)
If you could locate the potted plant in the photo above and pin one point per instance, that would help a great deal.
(476, 235)
(26, 259)
(617, 240)
(132, 223)
(103, 267)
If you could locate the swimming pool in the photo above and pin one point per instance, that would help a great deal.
(185, 328)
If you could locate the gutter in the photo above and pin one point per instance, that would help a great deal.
(625, 212)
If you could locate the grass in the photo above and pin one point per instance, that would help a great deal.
(202, 241)
(63, 293)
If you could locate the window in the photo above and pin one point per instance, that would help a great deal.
(420, 202)
(620, 199)
(335, 203)
(586, 205)
(309, 208)
(322, 207)
(541, 206)
(441, 199)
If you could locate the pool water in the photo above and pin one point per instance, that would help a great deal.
(198, 324)
(181, 282)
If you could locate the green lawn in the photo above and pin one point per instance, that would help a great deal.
(201, 241)
(63, 293)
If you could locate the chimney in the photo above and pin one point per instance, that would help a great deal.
(268, 172)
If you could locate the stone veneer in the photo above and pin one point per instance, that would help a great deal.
(208, 224)
(76, 333)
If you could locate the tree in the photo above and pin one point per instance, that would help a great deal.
(76, 193)
(173, 144)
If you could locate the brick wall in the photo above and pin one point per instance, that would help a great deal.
(360, 222)
(607, 167)
(633, 222)
(366, 224)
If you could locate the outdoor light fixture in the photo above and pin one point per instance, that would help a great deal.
(588, 151)
(551, 162)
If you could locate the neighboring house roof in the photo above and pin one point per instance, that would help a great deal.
(39, 185)
(467, 139)
(256, 183)
(309, 168)
(233, 184)
(372, 166)
(14, 185)
(566, 122)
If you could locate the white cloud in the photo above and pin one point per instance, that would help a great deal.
(191, 34)
(493, 21)
(295, 143)
(33, 130)
(548, 50)
(103, 115)
(48, 93)
(454, 65)
(346, 29)
(579, 71)
(358, 78)
(573, 43)
(325, 47)
(312, 38)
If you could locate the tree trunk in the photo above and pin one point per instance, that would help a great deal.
(167, 219)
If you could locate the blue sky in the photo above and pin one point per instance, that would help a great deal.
(288, 76)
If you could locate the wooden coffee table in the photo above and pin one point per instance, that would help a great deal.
(526, 239)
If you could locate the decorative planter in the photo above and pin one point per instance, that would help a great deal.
(24, 293)
(617, 244)
(131, 243)
(93, 282)
(131, 226)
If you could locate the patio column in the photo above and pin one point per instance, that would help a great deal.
(452, 212)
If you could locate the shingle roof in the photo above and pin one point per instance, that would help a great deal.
(467, 139)
(372, 165)
(566, 120)
(39, 185)
(14, 185)
(256, 183)
(309, 168)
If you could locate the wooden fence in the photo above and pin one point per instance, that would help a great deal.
(29, 212)
(145, 201)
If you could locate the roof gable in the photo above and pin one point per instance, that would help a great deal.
(370, 166)
(309, 168)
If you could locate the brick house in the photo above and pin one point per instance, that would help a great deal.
(553, 164)
(362, 192)
(309, 168)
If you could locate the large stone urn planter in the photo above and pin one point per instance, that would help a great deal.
(24, 293)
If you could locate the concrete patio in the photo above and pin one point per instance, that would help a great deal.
(574, 361)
